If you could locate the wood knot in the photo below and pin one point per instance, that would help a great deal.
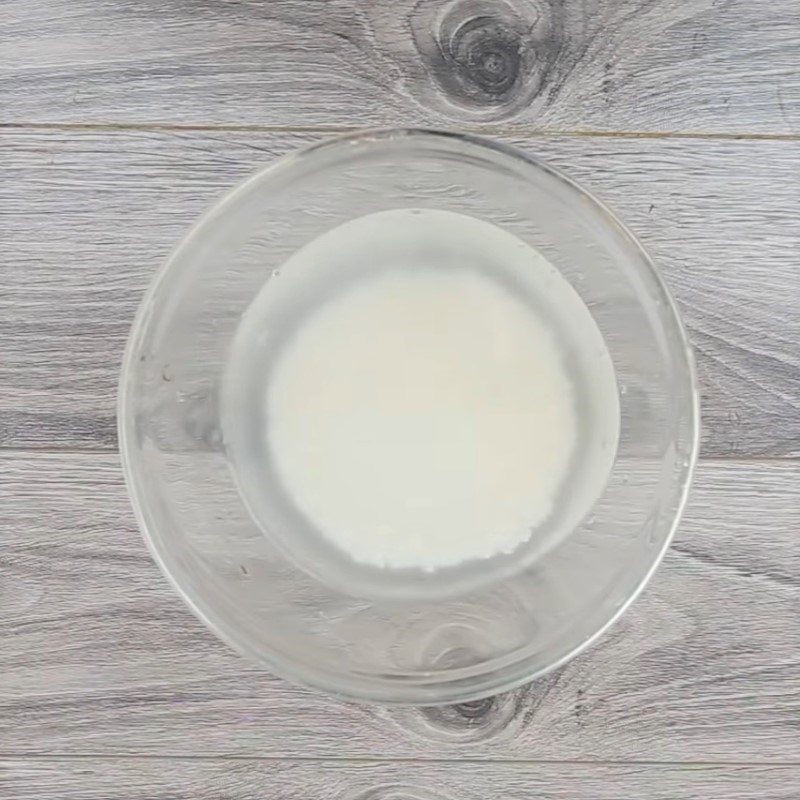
(497, 718)
(474, 721)
(474, 710)
(478, 718)
(488, 57)
(485, 53)
(399, 791)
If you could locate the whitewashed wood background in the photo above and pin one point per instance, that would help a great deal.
(121, 120)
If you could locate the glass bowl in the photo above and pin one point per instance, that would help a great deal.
(483, 637)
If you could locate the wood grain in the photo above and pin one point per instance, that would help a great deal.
(98, 656)
(109, 688)
(203, 779)
(683, 65)
(89, 215)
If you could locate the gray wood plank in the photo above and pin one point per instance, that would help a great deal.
(201, 779)
(99, 657)
(87, 216)
(678, 65)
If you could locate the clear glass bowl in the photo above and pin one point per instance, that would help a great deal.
(425, 649)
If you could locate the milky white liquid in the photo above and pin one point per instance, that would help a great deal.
(433, 409)
(423, 418)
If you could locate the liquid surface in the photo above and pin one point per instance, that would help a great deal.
(423, 418)
(418, 390)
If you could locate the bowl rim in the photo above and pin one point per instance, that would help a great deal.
(351, 685)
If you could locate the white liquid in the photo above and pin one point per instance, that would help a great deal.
(426, 390)
(422, 419)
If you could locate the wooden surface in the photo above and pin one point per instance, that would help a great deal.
(99, 656)
(727, 66)
(719, 217)
(120, 121)
(215, 779)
